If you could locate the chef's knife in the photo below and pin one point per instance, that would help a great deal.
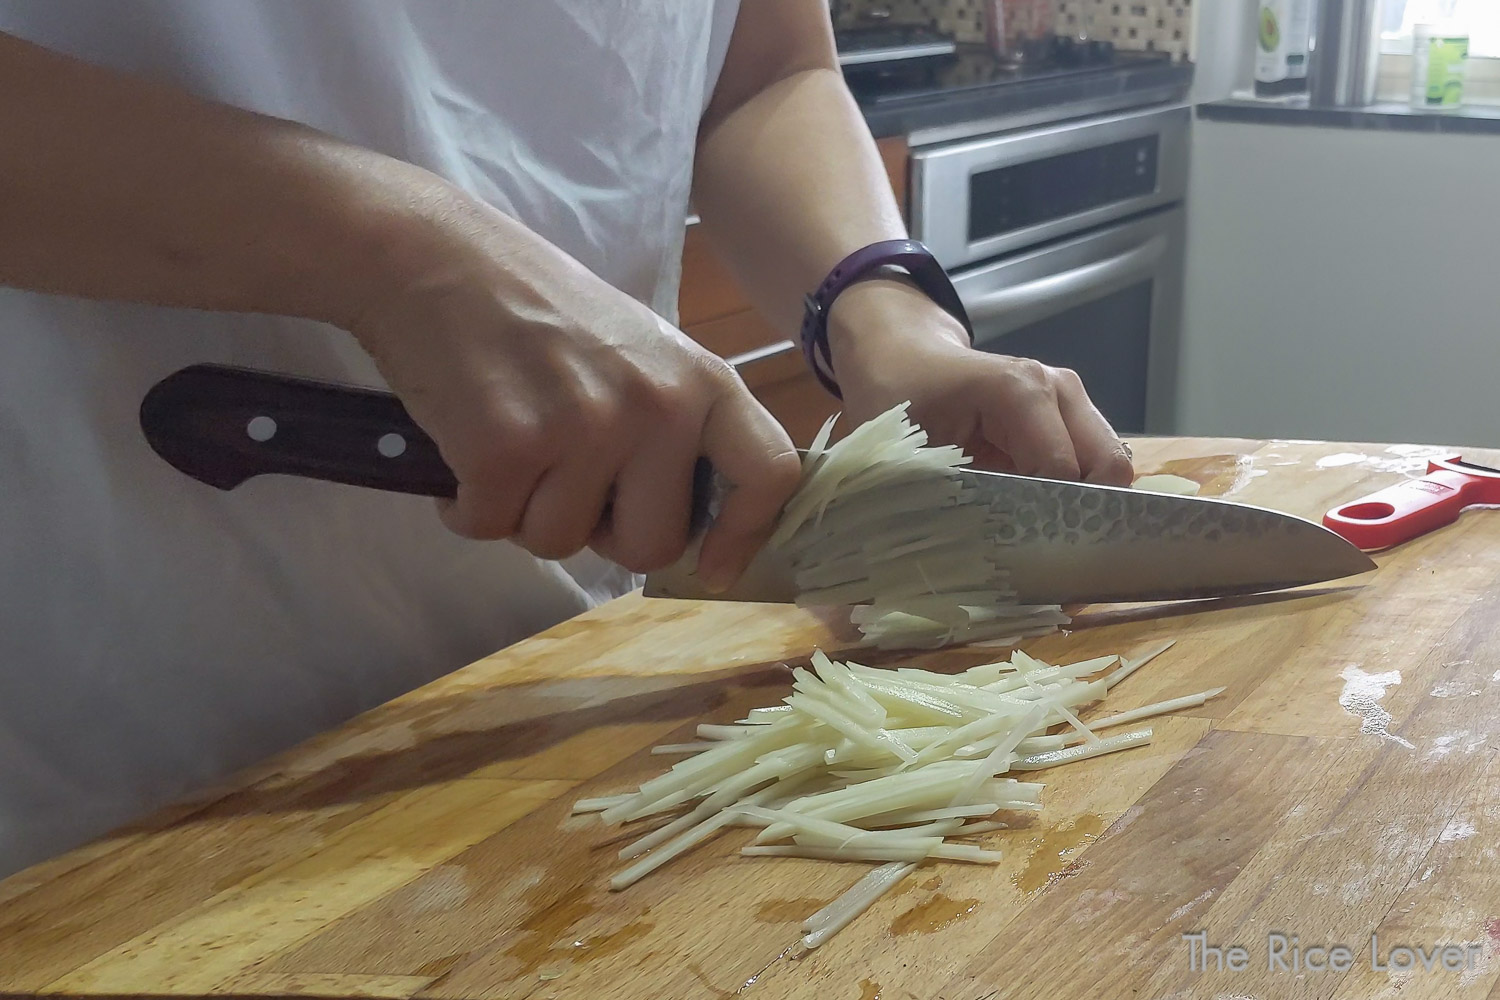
(1062, 543)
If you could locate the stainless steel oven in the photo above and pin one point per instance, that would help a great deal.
(1066, 245)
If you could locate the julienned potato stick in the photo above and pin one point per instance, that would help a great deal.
(814, 793)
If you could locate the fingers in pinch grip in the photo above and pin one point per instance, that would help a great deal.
(752, 451)
(1102, 456)
(1029, 423)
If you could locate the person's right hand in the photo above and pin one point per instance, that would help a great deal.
(570, 413)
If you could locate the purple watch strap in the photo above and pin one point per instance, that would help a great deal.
(909, 255)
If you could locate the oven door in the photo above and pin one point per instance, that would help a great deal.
(1106, 305)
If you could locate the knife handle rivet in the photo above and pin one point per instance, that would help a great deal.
(391, 445)
(261, 428)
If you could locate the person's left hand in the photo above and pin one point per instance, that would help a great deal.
(890, 343)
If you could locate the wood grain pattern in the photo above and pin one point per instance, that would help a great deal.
(1346, 784)
(255, 919)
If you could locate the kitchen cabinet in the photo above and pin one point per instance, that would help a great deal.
(714, 311)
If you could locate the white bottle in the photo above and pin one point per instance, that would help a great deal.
(1283, 34)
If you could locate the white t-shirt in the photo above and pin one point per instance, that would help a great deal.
(156, 633)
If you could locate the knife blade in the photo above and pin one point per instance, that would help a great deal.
(1061, 542)
(1073, 543)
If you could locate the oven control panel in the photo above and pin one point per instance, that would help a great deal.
(1023, 195)
(983, 198)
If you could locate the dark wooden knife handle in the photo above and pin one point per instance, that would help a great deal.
(222, 425)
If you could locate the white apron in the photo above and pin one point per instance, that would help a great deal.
(156, 633)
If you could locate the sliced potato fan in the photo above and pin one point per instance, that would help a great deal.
(882, 521)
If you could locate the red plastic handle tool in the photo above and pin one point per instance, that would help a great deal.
(1404, 511)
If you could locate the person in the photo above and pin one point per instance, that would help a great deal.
(478, 205)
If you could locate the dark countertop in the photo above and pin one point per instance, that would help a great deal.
(973, 88)
(1473, 120)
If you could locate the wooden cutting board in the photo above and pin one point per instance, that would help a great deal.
(1346, 784)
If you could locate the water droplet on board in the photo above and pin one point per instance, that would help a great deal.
(1055, 851)
(936, 913)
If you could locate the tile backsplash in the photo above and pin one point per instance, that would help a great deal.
(1144, 25)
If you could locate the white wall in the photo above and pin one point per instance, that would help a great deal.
(1223, 47)
(1342, 285)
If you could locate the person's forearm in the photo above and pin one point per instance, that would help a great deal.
(794, 176)
(789, 181)
(569, 413)
(119, 188)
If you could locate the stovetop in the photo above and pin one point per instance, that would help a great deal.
(891, 42)
(974, 67)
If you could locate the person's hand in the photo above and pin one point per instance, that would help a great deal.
(570, 413)
(891, 343)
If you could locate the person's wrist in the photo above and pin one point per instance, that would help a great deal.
(396, 232)
(873, 318)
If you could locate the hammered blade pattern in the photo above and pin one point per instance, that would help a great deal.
(1063, 543)
(1029, 511)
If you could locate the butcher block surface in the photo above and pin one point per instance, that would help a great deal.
(1346, 784)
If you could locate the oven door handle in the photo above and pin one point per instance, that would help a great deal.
(1006, 309)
